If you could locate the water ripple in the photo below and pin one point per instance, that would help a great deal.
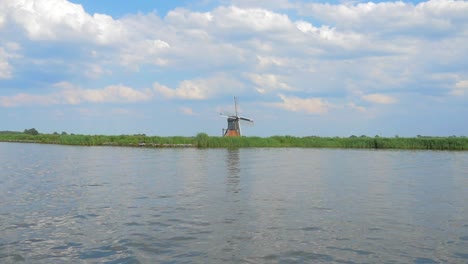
(125, 205)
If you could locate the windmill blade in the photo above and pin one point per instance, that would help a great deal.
(228, 116)
(245, 119)
(239, 126)
(247, 123)
(228, 113)
(235, 105)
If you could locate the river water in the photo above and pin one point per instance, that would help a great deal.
(67, 204)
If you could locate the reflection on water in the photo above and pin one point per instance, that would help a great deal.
(233, 168)
(63, 204)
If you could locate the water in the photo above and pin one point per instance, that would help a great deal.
(63, 204)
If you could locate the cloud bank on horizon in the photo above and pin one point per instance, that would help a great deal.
(298, 67)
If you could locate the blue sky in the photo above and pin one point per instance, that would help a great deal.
(299, 68)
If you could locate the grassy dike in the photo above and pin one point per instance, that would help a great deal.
(202, 140)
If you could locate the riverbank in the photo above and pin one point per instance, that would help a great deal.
(202, 140)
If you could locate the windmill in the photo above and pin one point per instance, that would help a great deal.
(234, 128)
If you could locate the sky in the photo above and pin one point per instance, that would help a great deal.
(300, 68)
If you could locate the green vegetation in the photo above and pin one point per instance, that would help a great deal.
(202, 140)
(434, 143)
(31, 131)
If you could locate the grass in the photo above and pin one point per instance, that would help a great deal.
(433, 143)
(202, 140)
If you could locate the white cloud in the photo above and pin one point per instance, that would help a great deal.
(69, 94)
(307, 105)
(145, 51)
(357, 107)
(187, 90)
(460, 88)
(331, 36)
(62, 20)
(225, 36)
(26, 99)
(2, 20)
(266, 61)
(268, 82)
(95, 71)
(266, 4)
(109, 94)
(434, 15)
(199, 89)
(255, 19)
(5, 67)
(306, 27)
(380, 99)
(8, 52)
(462, 84)
(159, 44)
(187, 18)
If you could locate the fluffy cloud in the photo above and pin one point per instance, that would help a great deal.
(460, 88)
(2, 20)
(268, 82)
(266, 4)
(380, 99)
(187, 18)
(110, 94)
(256, 19)
(308, 105)
(69, 94)
(357, 107)
(8, 52)
(267, 61)
(145, 51)
(187, 90)
(199, 89)
(95, 71)
(329, 35)
(434, 15)
(26, 99)
(462, 84)
(5, 67)
(60, 19)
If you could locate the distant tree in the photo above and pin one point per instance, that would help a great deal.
(64, 133)
(353, 136)
(31, 131)
(55, 133)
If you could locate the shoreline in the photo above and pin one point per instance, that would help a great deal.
(105, 144)
(202, 140)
